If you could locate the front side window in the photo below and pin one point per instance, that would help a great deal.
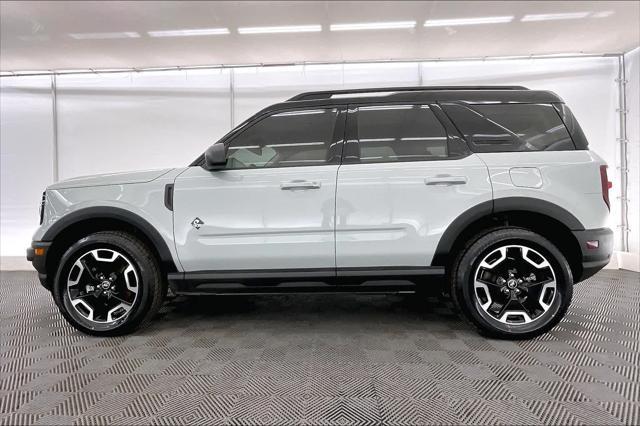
(511, 127)
(285, 139)
(394, 133)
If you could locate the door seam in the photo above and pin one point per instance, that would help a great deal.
(490, 180)
(335, 223)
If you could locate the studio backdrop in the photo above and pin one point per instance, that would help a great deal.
(67, 125)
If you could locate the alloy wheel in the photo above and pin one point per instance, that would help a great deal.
(514, 285)
(102, 286)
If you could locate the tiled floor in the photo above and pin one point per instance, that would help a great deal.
(315, 360)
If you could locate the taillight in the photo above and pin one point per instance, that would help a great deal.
(606, 185)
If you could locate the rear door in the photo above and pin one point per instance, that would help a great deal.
(273, 206)
(405, 177)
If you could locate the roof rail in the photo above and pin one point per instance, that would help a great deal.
(330, 93)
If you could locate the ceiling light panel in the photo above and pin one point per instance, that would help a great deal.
(468, 21)
(189, 32)
(554, 16)
(281, 29)
(603, 14)
(373, 26)
(104, 36)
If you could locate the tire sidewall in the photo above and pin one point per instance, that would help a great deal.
(471, 258)
(140, 264)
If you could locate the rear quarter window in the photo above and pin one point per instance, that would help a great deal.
(510, 127)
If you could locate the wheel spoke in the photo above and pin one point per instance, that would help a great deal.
(82, 296)
(88, 269)
(503, 309)
(487, 282)
(525, 309)
(120, 299)
(537, 283)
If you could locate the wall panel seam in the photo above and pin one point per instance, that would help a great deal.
(54, 105)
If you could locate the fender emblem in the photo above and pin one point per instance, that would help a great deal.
(197, 223)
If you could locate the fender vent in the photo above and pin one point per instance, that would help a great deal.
(168, 196)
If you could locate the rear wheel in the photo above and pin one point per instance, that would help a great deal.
(512, 283)
(109, 283)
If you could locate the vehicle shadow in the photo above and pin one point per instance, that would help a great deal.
(323, 312)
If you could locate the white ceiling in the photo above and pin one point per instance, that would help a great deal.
(112, 34)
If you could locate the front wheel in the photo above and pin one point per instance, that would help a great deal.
(108, 284)
(512, 283)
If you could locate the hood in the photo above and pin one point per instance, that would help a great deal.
(110, 179)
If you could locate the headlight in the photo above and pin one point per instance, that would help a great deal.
(42, 203)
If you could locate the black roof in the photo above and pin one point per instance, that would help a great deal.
(515, 94)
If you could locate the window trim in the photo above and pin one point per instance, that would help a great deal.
(351, 151)
(334, 152)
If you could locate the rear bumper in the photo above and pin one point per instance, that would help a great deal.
(37, 255)
(594, 258)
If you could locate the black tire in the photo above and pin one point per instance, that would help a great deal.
(469, 300)
(149, 284)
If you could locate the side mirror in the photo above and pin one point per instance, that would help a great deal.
(215, 157)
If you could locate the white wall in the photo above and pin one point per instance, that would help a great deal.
(26, 157)
(258, 87)
(143, 120)
(632, 64)
(129, 121)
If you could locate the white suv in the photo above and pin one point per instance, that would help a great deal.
(491, 191)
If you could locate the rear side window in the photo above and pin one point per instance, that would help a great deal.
(511, 127)
(286, 139)
(394, 133)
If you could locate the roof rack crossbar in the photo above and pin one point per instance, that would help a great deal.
(307, 96)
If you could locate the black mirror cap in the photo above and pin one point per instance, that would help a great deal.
(215, 157)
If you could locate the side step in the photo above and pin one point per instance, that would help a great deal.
(327, 280)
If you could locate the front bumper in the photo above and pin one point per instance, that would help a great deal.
(37, 255)
(594, 258)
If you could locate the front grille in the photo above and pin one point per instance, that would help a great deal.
(42, 203)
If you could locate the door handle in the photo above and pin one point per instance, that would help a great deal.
(445, 180)
(299, 184)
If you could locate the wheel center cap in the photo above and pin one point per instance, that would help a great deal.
(512, 284)
(105, 284)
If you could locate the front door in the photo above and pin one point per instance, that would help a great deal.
(273, 207)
